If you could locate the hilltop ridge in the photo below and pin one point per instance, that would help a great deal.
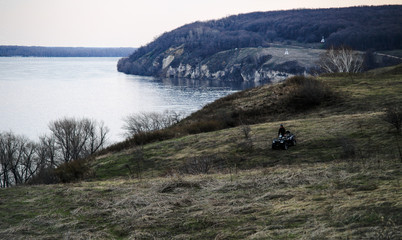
(251, 47)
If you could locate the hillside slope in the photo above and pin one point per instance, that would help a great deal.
(341, 181)
(193, 49)
(246, 64)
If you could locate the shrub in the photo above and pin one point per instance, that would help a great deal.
(204, 126)
(72, 171)
(145, 122)
(305, 93)
(154, 136)
(198, 165)
(393, 115)
(348, 147)
(45, 176)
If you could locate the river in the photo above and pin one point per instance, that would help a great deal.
(35, 91)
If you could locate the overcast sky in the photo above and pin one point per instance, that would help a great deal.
(126, 23)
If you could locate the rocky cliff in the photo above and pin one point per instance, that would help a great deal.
(239, 64)
(244, 47)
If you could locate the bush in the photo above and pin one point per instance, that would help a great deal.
(146, 122)
(72, 171)
(305, 93)
(393, 115)
(198, 165)
(348, 147)
(204, 126)
(45, 176)
(154, 136)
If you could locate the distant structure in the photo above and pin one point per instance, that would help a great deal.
(323, 40)
(286, 52)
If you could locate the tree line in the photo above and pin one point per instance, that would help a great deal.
(60, 156)
(70, 139)
(24, 51)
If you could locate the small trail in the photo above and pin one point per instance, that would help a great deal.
(390, 56)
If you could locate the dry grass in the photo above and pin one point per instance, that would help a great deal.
(308, 201)
(319, 140)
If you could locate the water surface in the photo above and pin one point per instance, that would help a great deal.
(35, 91)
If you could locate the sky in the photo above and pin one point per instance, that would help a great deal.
(126, 23)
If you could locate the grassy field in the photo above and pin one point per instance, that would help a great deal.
(341, 181)
(335, 200)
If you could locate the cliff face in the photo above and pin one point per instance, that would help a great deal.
(244, 64)
(222, 49)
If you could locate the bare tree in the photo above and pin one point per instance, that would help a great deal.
(71, 139)
(11, 158)
(18, 161)
(77, 139)
(150, 121)
(97, 134)
(47, 151)
(30, 164)
(342, 59)
(5, 155)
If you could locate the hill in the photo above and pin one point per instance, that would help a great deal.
(342, 179)
(239, 48)
(34, 51)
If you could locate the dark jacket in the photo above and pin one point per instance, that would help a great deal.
(281, 131)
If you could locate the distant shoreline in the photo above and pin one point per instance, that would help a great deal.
(38, 51)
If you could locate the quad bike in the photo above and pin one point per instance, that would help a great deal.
(284, 142)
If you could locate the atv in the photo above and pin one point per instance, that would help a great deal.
(284, 142)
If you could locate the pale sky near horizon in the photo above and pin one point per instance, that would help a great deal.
(126, 23)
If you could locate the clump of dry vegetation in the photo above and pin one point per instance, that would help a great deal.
(306, 92)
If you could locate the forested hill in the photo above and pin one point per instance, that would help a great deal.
(362, 28)
(25, 51)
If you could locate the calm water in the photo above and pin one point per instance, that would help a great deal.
(35, 91)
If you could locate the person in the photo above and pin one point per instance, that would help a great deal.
(281, 131)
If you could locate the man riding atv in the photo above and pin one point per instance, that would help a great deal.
(281, 131)
(284, 140)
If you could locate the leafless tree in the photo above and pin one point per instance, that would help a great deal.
(150, 121)
(77, 139)
(6, 152)
(342, 59)
(47, 151)
(22, 159)
(18, 161)
(11, 147)
(30, 164)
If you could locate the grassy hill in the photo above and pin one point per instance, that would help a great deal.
(341, 181)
